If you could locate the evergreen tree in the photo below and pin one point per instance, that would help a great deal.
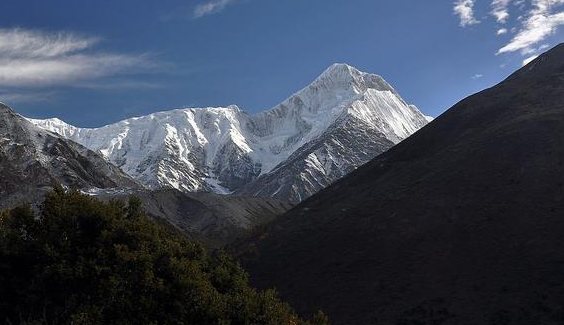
(82, 261)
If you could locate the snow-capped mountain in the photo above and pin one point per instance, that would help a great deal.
(354, 117)
(339, 122)
(33, 160)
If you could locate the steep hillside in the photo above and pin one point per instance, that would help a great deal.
(212, 219)
(461, 223)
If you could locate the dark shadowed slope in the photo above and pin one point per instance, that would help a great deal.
(212, 219)
(462, 223)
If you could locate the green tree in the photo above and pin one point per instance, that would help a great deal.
(82, 261)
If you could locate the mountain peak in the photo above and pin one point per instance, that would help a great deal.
(340, 71)
(344, 76)
(341, 67)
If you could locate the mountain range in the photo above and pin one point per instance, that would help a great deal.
(33, 161)
(183, 162)
(321, 133)
(461, 223)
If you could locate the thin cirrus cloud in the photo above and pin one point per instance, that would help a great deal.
(540, 22)
(211, 7)
(464, 9)
(32, 58)
(537, 20)
(500, 10)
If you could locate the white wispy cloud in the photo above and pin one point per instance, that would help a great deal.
(477, 76)
(36, 58)
(211, 7)
(500, 10)
(543, 47)
(465, 11)
(542, 21)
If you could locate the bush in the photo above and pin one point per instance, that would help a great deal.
(82, 261)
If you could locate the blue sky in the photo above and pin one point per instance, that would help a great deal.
(96, 62)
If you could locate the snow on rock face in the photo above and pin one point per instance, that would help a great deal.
(225, 149)
(32, 160)
(178, 148)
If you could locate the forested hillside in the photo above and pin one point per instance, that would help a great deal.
(82, 261)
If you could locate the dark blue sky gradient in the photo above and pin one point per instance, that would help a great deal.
(255, 53)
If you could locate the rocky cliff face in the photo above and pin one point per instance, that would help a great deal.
(32, 160)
